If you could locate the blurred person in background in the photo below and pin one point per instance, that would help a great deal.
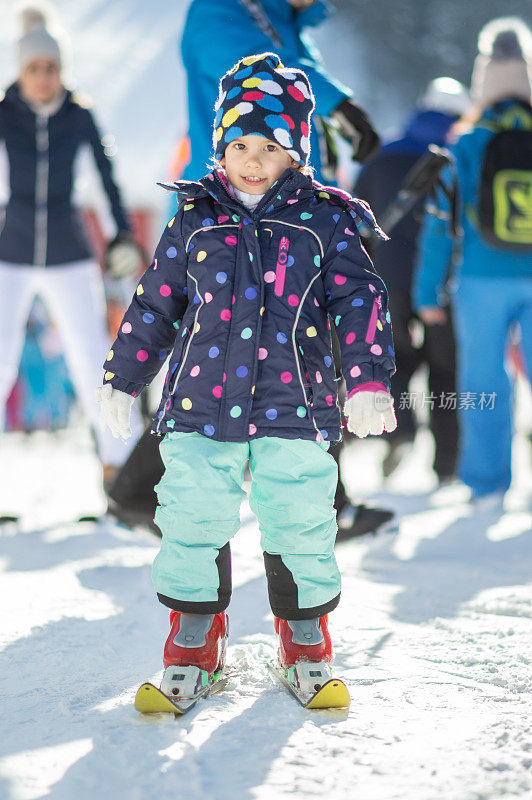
(47, 392)
(217, 34)
(43, 250)
(444, 101)
(492, 281)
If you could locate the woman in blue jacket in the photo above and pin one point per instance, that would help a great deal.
(241, 289)
(43, 250)
(492, 279)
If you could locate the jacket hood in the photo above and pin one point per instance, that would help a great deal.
(429, 127)
(423, 128)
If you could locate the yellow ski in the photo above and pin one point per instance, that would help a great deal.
(332, 694)
(150, 700)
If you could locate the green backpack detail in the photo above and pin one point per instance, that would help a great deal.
(505, 196)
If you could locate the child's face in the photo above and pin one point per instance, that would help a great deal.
(253, 163)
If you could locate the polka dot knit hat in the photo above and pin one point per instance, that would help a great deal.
(261, 97)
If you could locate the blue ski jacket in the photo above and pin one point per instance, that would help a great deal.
(251, 295)
(41, 225)
(217, 34)
(477, 257)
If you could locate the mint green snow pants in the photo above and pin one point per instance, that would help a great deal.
(292, 493)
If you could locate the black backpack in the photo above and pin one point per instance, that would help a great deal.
(505, 196)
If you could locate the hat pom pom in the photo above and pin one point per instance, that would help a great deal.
(505, 39)
(35, 15)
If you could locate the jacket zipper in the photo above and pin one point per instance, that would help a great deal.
(372, 325)
(40, 244)
(257, 257)
(294, 341)
(300, 362)
(184, 354)
(300, 358)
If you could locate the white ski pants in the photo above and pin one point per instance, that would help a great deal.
(74, 298)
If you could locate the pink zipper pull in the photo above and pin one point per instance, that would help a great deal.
(280, 269)
(372, 325)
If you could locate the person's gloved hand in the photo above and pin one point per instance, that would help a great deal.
(370, 412)
(355, 126)
(123, 257)
(115, 410)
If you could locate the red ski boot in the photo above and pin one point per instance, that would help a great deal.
(305, 652)
(196, 644)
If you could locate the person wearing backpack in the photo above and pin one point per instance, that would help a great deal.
(491, 278)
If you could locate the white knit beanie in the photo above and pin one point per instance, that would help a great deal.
(37, 41)
(503, 67)
(447, 96)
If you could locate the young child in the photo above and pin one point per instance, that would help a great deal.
(245, 279)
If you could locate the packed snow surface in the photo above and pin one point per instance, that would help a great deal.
(432, 636)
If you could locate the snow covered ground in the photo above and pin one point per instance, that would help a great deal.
(433, 636)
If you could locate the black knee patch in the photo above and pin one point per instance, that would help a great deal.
(283, 593)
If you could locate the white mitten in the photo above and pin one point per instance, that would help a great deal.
(115, 410)
(370, 412)
(123, 257)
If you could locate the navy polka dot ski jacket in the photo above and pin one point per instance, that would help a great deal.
(245, 300)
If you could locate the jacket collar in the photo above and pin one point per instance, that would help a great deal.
(507, 115)
(291, 185)
(13, 96)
